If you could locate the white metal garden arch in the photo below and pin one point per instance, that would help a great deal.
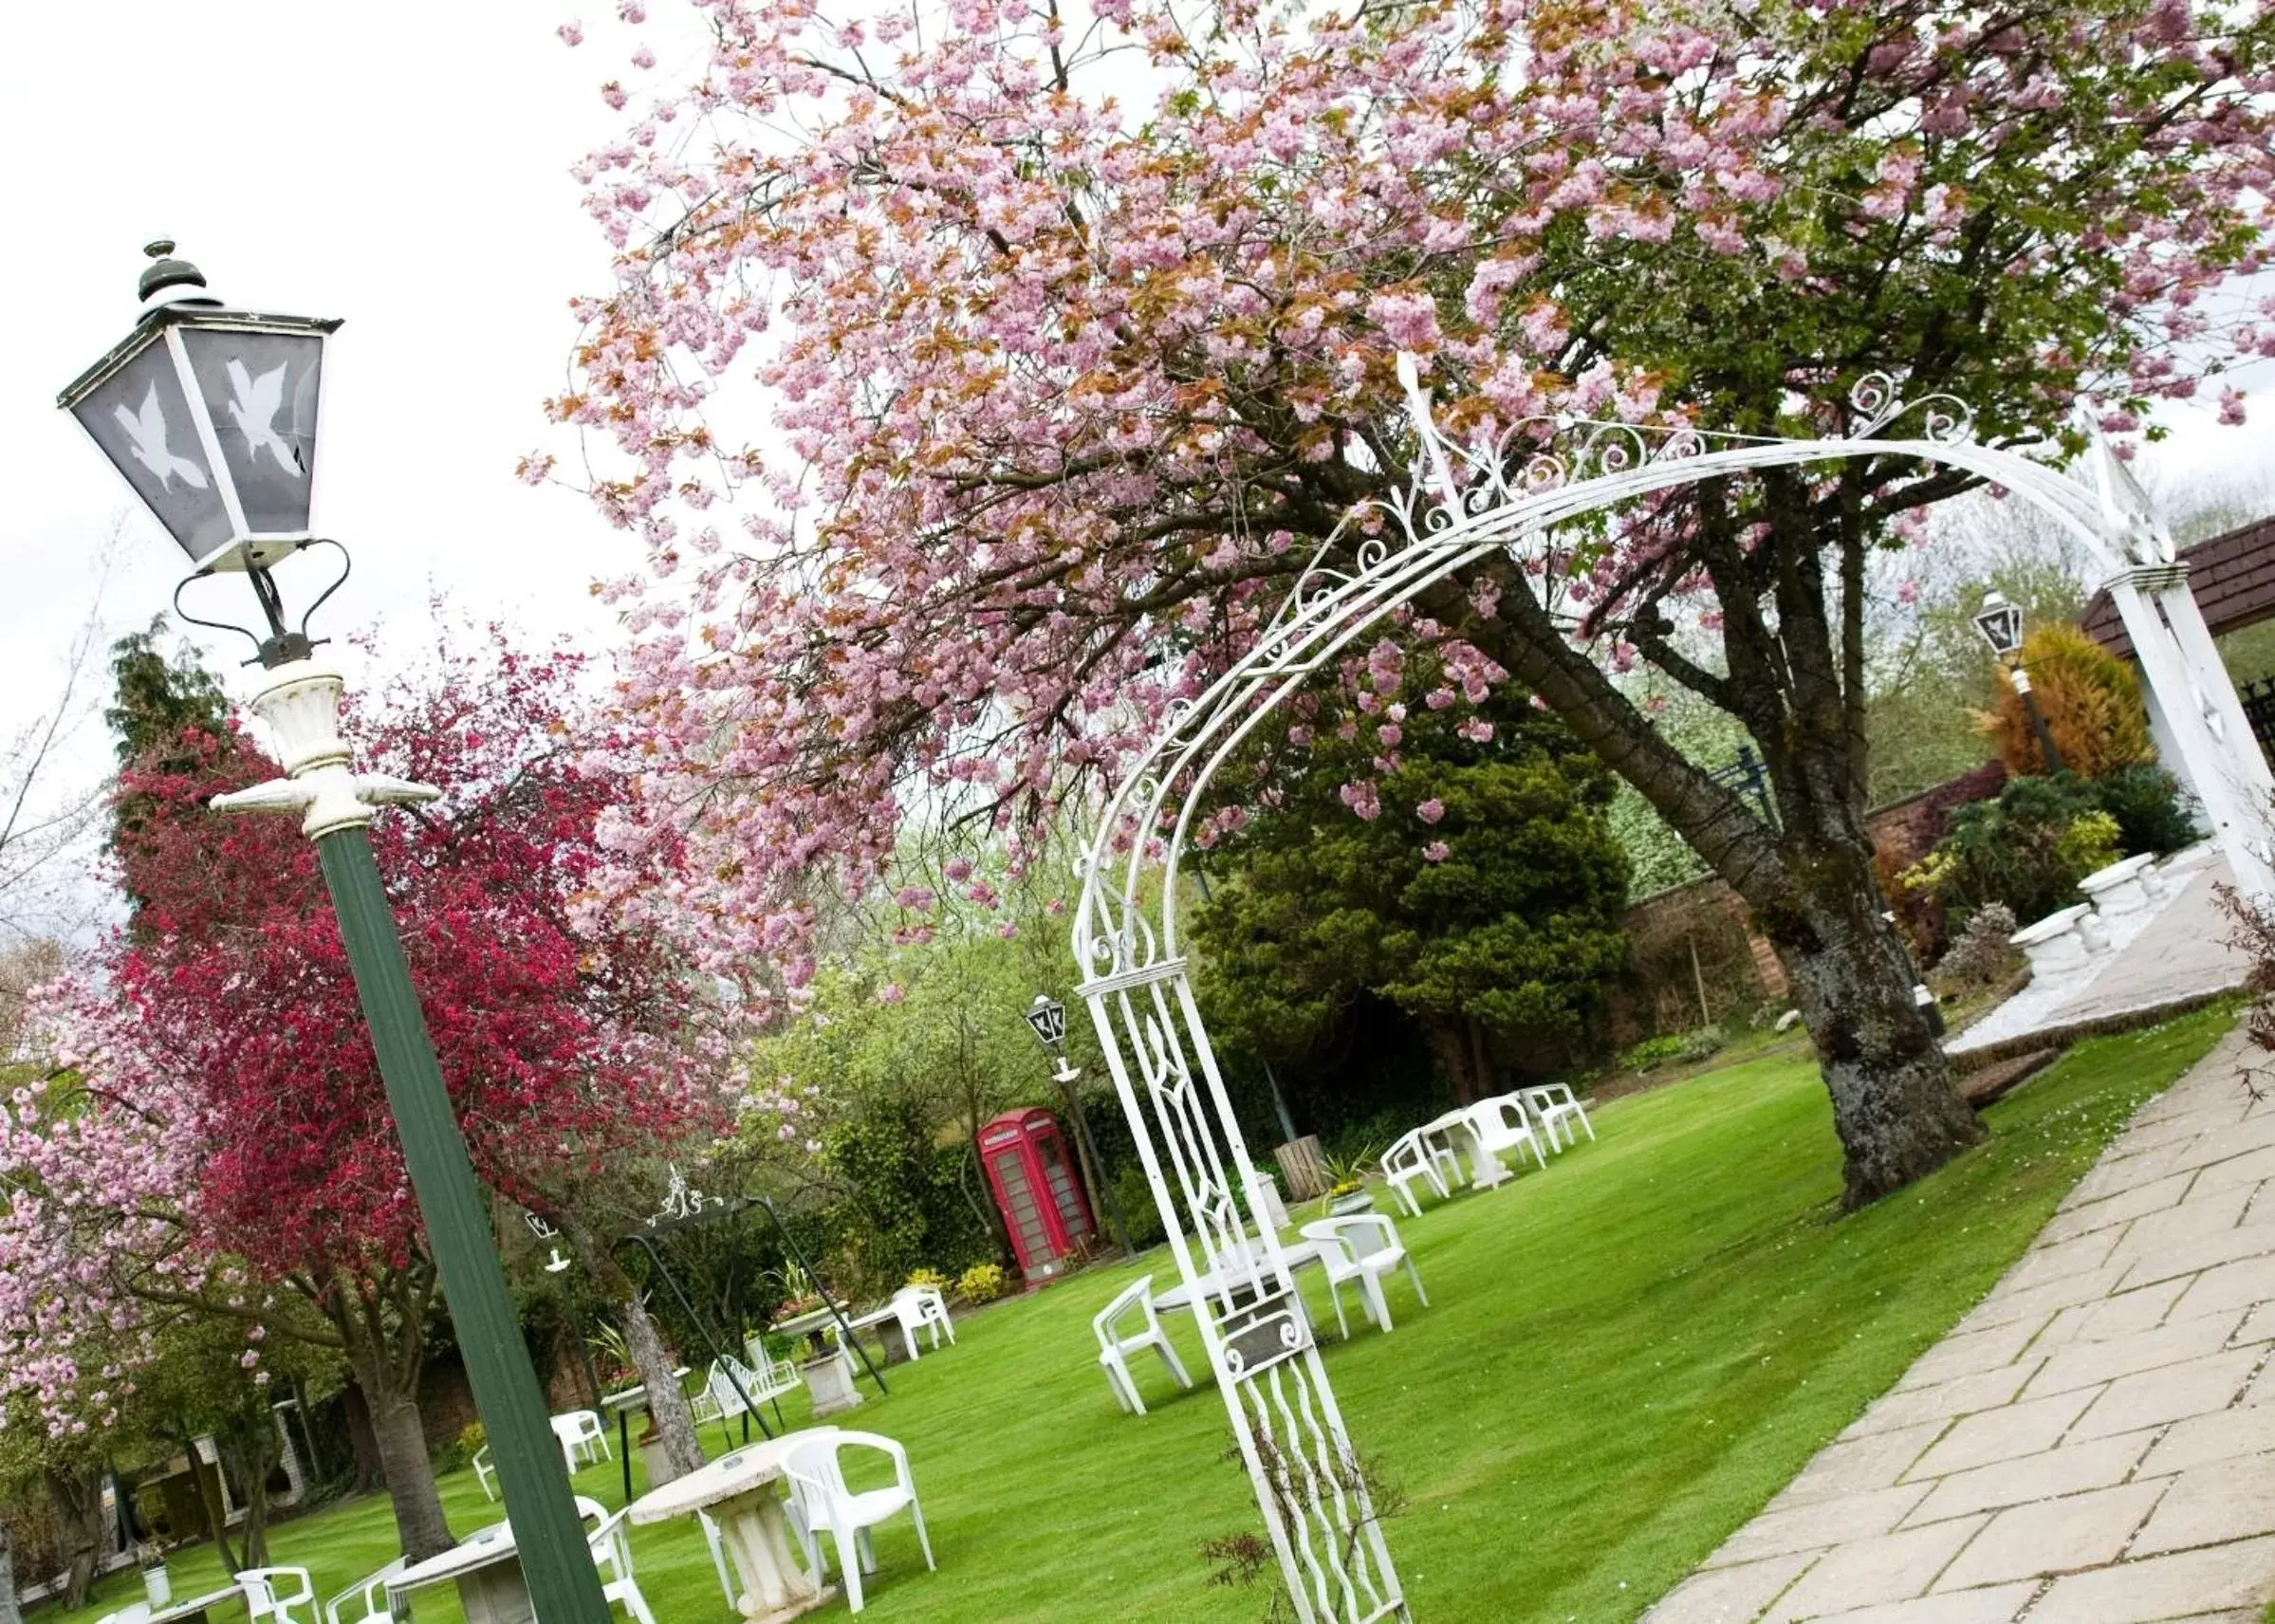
(1464, 504)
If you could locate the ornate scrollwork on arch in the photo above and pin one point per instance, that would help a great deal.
(1943, 419)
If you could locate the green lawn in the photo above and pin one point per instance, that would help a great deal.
(1625, 1357)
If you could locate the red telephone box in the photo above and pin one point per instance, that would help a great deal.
(1036, 1189)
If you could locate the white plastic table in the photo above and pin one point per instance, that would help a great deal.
(182, 1611)
(886, 1322)
(1485, 1168)
(738, 1491)
(488, 1571)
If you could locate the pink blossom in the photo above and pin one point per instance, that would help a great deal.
(1436, 852)
(1408, 318)
(1431, 810)
(571, 32)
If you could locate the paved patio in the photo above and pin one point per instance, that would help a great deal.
(2094, 1444)
(2156, 961)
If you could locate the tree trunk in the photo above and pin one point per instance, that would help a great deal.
(1896, 1107)
(78, 1508)
(10, 1613)
(391, 1400)
(360, 1443)
(1480, 1057)
(210, 1495)
(253, 1457)
(667, 1406)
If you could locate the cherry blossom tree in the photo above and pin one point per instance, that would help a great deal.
(1077, 339)
(214, 1139)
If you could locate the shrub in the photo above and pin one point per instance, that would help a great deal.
(2145, 801)
(2091, 702)
(1652, 1053)
(983, 1282)
(454, 1455)
(1683, 1048)
(2089, 843)
(1134, 1191)
(1982, 955)
(2027, 849)
(930, 1276)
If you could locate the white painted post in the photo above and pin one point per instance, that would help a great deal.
(2201, 730)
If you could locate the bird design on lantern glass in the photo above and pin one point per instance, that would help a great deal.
(259, 400)
(147, 430)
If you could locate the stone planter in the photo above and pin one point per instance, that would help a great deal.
(1358, 1201)
(2120, 888)
(2053, 945)
(651, 1458)
(158, 1587)
(829, 1381)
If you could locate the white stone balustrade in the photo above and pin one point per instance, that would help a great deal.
(2119, 889)
(2054, 945)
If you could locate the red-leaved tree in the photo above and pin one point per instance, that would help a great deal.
(217, 1138)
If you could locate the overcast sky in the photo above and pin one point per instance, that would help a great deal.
(404, 167)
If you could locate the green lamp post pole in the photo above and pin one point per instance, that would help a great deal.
(300, 701)
(210, 415)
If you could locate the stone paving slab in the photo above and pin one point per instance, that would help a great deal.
(2093, 1444)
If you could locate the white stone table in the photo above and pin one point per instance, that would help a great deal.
(739, 1492)
(488, 1571)
(1298, 1255)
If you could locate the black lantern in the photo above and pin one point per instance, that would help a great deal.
(211, 415)
(1047, 1016)
(2001, 624)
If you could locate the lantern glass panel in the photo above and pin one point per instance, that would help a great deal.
(2002, 628)
(261, 391)
(1049, 1022)
(141, 420)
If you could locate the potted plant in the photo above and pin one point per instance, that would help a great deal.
(1346, 1184)
(155, 1582)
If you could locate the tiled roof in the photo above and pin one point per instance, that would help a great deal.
(2233, 576)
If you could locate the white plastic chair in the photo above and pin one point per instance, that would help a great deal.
(1500, 1123)
(612, 1558)
(1412, 1159)
(372, 1594)
(718, 1558)
(922, 1308)
(485, 1473)
(265, 1596)
(826, 1506)
(133, 1612)
(1364, 1248)
(1554, 1105)
(1114, 1349)
(581, 1434)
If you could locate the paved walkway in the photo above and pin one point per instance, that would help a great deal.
(2094, 1444)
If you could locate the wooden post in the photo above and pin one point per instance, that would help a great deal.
(1303, 1166)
